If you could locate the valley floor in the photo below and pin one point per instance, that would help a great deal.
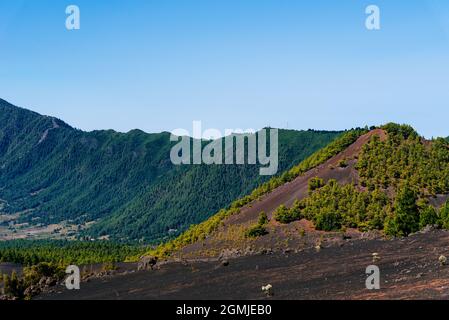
(409, 269)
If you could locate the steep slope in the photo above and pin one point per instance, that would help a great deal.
(125, 182)
(388, 179)
(194, 193)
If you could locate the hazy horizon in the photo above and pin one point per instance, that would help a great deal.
(204, 128)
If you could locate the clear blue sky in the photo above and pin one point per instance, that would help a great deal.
(159, 65)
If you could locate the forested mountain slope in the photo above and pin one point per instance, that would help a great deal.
(125, 182)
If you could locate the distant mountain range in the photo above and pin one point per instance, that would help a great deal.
(124, 182)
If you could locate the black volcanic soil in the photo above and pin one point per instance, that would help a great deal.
(409, 270)
(8, 268)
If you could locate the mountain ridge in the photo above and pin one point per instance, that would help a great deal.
(124, 182)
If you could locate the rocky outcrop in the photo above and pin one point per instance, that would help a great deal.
(147, 263)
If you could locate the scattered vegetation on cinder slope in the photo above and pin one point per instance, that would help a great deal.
(201, 231)
(398, 178)
(125, 182)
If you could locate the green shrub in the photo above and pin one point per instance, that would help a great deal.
(406, 217)
(296, 211)
(444, 215)
(314, 184)
(263, 219)
(259, 229)
(256, 231)
(13, 286)
(281, 214)
(33, 274)
(328, 221)
(427, 216)
(285, 215)
(391, 227)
